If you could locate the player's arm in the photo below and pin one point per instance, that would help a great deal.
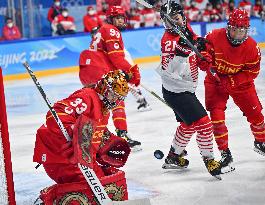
(115, 50)
(252, 66)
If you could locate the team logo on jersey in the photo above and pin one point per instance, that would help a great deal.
(74, 197)
(116, 46)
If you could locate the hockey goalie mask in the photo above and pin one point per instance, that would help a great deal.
(113, 87)
(176, 13)
(237, 27)
(117, 17)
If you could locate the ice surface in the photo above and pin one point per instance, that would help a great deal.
(155, 129)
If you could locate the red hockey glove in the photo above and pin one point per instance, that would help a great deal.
(134, 75)
(113, 152)
(205, 63)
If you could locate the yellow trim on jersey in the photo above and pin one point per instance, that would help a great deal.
(59, 114)
(220, 136)
(263, 132)
(118, 107)
(254, 62)
(220, 59)
(117, 51)
(111, 40)
(119, 118)
(62, 103)
(251, 71)
(218, 121)
(102, 126)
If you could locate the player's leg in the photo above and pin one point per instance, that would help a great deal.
(143, 104)
(248, 102)
(188, 109)
(216, 98)
(120, 123)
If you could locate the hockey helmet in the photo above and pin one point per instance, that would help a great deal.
(116, 11)
(112, 87)
(237, 26)
(172, 10)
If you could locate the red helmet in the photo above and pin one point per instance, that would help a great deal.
(237, 27)
(115, 11)
(239, 18)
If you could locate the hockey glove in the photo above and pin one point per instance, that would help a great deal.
(134, 75)
(113, 152)
(200, 44)
(204, 63)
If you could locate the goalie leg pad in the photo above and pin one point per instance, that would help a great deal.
(80, 193)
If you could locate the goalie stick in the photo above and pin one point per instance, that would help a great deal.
(177, 29)
(88, 173)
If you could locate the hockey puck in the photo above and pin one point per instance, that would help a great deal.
(158, 154)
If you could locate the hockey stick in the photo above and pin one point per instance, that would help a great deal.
(88, 173)
(177, 29)
(154, 94)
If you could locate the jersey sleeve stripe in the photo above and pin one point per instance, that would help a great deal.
(112, 40)
(117, 51)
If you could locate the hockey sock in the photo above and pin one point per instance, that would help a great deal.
(204, 136)
(119, 117)
(258, 131)
(136, 92)
(221, 134)
(182, 137)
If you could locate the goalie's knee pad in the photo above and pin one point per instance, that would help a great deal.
(80, 192)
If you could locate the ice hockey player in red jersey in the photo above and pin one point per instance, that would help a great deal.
(179, 73)
(236, 59)
(84, 114)
(106, 52)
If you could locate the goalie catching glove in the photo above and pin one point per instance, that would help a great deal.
(114, 151)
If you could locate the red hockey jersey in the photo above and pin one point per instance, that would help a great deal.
(50, 142)
(230, 60)
(106, 53)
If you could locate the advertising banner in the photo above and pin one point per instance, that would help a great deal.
(42, 54)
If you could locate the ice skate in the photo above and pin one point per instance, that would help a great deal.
(143, 105)
(213, 167)
(134, 144)
(175, 161)
(226, 161)
(259, 147)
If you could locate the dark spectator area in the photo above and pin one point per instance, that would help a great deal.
(22, 19)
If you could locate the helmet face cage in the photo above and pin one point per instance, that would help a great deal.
(237, 27)
(174, 9)
(113, 87)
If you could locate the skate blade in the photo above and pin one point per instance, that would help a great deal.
(258, 151)
(136, 148)
(170, 166)
(227, 169)
(217, 177)
(144, 109)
